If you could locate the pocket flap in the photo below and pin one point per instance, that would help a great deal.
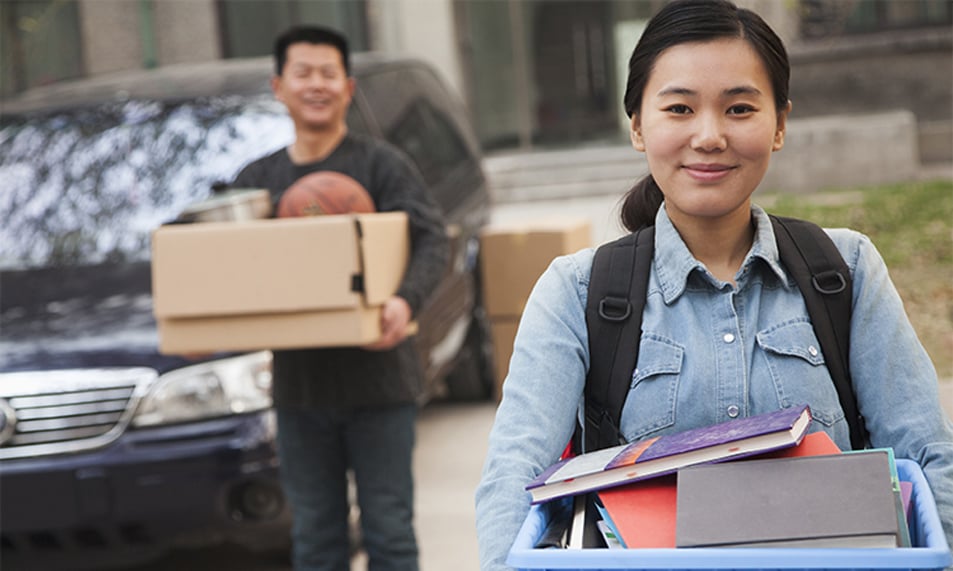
(657, 356)
(795, 339)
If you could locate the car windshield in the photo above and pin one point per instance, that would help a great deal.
(87, 186)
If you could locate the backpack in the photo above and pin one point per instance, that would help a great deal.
(617, 291)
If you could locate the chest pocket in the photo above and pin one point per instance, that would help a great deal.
(650, 405)
(798, 370)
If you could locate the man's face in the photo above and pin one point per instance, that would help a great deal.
(314, 87)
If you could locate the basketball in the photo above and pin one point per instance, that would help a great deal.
(324, 192)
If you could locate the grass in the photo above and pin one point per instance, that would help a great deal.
(912, 226)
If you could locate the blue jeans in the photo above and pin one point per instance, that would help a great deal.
(316, 448)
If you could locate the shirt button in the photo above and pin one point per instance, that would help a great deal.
(812, 350)
(733, 411)
(728, 338)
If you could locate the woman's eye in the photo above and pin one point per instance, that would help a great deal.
(679, 109)
(740, 109)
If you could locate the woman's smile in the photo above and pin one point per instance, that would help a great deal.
(708, 172)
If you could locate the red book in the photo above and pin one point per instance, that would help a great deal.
(643, 513)
(814, 444)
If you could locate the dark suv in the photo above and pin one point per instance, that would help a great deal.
(109, 451)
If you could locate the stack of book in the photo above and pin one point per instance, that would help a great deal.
(759, 481)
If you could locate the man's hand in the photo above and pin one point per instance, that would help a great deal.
(395, 316)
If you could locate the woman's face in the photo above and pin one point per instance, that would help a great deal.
(708, 126)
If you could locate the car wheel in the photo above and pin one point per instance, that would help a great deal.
(471, 378)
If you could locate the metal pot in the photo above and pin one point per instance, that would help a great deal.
(230, 206)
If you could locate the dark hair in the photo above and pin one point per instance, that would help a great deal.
(684, 21)
(310, 35)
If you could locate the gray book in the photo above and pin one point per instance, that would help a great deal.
(842, 500)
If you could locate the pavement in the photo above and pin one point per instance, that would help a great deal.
(451, 446)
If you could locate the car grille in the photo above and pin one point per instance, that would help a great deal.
(50, 412)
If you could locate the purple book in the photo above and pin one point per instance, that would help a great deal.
(666, 454)
(906, 492)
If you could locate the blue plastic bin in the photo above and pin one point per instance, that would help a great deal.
(930, 550)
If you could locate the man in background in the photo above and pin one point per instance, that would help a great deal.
(349, 408)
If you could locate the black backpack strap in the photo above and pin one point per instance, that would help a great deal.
(617, 289)
(825, 283)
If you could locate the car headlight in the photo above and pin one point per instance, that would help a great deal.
(217, 388)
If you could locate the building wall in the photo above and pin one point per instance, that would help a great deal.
(40, 43)
(119, 34)
(111, 35)
(421, 28)
(911, 71)
(899, 70)
(487, 51)
(780, 15)
(186, 30)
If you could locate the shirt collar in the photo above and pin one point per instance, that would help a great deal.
(674, 263)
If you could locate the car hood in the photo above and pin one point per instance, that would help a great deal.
(79, 317)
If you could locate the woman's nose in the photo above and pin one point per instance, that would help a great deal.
(709, 135)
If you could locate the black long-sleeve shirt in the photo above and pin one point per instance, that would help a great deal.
(350, 378)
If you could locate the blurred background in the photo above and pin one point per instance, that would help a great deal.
(869, 146)
(533, 73)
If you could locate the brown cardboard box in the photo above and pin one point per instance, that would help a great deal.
(513, 256)
(277, 283)
(503, 331)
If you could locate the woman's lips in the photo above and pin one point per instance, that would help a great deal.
(708, 172)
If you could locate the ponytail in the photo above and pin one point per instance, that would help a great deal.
(641, 204)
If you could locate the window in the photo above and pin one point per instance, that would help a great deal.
(39, 44)
(249, 27)
(827, 18)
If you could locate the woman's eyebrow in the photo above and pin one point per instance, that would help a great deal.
(731, 91)
(742, 90)
(675, 90)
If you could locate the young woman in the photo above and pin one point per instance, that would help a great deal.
(725, 329)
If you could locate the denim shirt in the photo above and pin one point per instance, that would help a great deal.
(711, 351)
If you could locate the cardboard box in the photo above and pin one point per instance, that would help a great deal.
(277, 283)
(513, 256)
(503, 332)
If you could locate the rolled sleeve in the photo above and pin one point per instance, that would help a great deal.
(541, 396)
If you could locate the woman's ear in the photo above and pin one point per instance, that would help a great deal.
(635, 133)
(782, 127)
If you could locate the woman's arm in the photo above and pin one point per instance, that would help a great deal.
(894, 378)
(540, 403)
